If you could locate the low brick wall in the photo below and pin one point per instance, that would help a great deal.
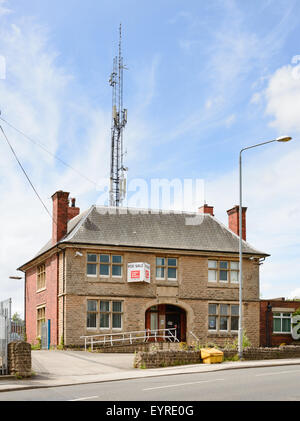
(155, 359)
(19, 358)
(166, 358)
(288, 351)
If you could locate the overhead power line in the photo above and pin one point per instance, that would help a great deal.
(25, 173)
(39, 144)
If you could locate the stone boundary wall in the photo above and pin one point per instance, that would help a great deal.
(288, 351)
(156, 359)
(166, 358)
(19, 358)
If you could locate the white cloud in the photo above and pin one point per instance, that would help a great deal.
(3, 9)
(283, 99)
(271, 180)
(295, 294)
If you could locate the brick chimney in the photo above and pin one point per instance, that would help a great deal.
(206, 209)
(73, 210)
(234, 220)
(62, 213)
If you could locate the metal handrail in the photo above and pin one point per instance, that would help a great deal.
(197, 339)
(133, 335)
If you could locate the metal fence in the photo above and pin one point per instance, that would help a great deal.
(10, 330)
(5, 329)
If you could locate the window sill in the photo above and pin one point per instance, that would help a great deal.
(41, 289)
(166, 283)
(220, 334)
(98, 279)
(222, 285)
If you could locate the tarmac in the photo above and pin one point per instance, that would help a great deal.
(65, 368)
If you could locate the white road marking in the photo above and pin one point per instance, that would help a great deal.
(278, 373)
(83, 399)
(181, 384)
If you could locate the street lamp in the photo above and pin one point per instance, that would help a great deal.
(240, 333)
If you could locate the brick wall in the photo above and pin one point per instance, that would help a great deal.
(267, 337)
(45, 297)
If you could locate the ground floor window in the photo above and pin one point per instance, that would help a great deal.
(282, 322)
(104, 314)
(223, 317)
(40, 318)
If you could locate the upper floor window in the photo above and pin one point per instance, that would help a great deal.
(282, 322)
(166, 268)
(105, 265)
(41, 277)
(223, 271)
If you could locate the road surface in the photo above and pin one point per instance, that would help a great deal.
(249, 384)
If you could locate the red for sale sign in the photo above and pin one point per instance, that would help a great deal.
(135, 274)
(138, 272)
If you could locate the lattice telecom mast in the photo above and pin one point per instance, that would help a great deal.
(119, 119)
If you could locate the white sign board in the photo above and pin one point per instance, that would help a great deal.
(138, 272)
(296, 327)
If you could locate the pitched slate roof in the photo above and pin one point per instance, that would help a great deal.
(155, 229)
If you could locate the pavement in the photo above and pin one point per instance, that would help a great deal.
(65, 368)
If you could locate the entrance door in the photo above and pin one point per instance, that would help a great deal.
(173, 322)
(166, 316)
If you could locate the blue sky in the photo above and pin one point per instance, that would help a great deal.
(205, 79)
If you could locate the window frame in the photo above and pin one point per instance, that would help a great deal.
(93, 312)
(116, 312)
(40, 320)
(281, 318)
(105, 312)
(166, 267)
(110, 313)
(218, 269)
(218, 315)
(110, 263)
(92, 263)
(41, 272)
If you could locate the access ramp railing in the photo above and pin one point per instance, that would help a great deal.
(147, 335)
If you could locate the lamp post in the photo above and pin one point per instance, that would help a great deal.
(240, 332)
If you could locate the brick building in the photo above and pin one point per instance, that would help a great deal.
(80, 280)
(275, 321)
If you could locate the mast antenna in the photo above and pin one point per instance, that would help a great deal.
(117, 191)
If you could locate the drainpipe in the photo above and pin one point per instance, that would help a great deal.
(64, 280)
(268, 341)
